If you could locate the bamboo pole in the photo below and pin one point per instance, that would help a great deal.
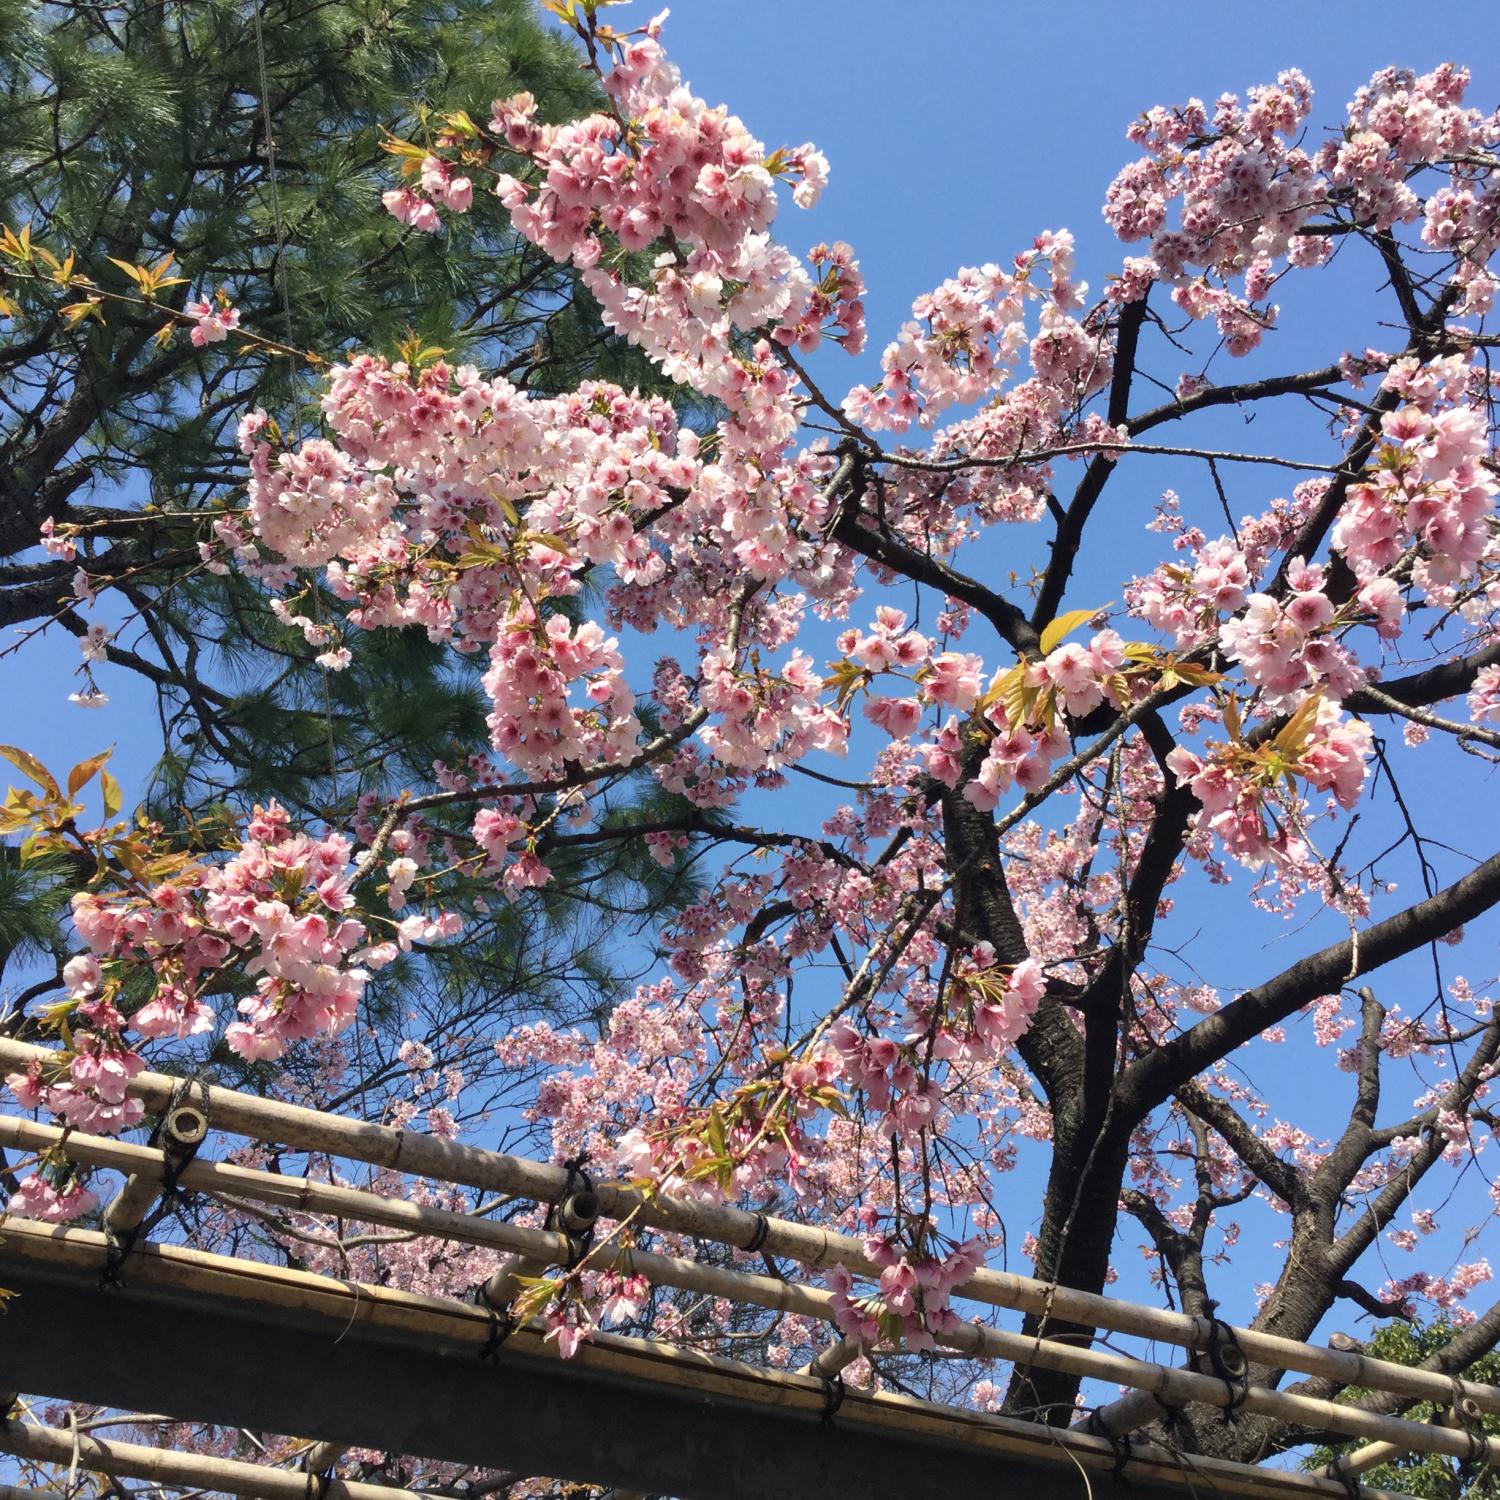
(186, 1470)
(836, 1358)
(321, 1457)
(429, 1156)
(1176, 1386)
(129, 1207)
(1139, 1409)
(176, 1271)
(538, 1247)
(505, 1283)
(1362, 1460)
(1372, 1455)
(1134, 1410)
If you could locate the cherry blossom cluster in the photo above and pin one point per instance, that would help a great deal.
(1484, 697)
(1446, 1293)
(1283, 645)
(965, 337)
(914, 1291)
(1431, 489)
(1248, 192)
(1235, 784)
(442, 187)
(664, 169)
(819, 1017)
(213, 321)
(275, 910)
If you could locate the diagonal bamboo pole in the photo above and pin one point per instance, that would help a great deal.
(183, 1129)
(1372, 1455)
(835, 1359)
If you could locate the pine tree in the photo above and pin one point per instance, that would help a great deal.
(138, 130)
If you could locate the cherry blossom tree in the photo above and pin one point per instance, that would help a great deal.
(1031, 803)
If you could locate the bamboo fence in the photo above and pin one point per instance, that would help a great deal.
(526, 1251)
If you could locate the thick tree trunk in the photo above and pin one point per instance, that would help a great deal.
(1073, 1245)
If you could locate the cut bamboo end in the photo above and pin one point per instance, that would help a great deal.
(834, 1359)
(1362, 1460)
(577, 1213)
(185, 1127)
(504, 1285)
(322, 1456)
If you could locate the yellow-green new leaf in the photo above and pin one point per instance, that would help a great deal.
(1292, 740)
(1064, 625)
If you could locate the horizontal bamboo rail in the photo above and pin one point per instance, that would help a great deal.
(172, 1272)
(429, 1156)
(187, 1470)
(1175, 1386)
(539, 1248)
(528, 1247)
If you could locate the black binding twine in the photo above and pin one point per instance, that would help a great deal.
(1221, 1337)
(1119, 1442)
(1344, 1477)
(758, 1239)
(118, 1247)
(1472, 1427)
(833, 1395)
(578, 1244)
(502, 1325)
(1171, 1414)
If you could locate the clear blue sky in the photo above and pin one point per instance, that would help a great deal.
(956, 132)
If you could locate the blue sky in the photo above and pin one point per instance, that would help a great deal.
(956, 132)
